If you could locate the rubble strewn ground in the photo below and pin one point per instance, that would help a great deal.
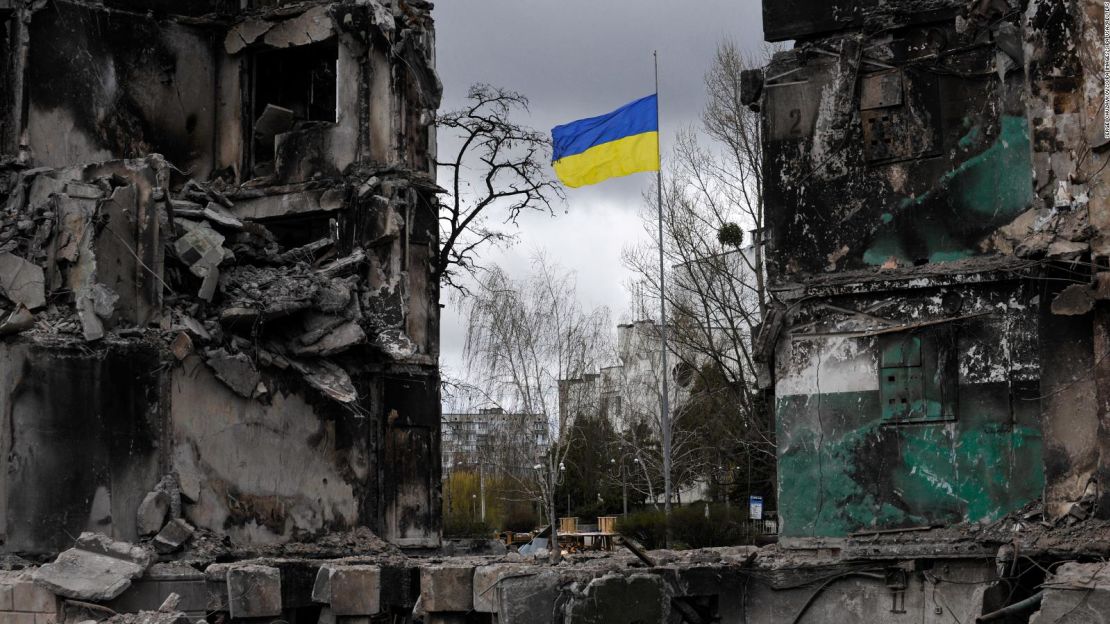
(357, 575)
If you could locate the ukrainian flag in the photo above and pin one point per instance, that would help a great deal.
(624, 141)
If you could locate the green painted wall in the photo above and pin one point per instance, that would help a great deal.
(842, 469)
(985, 191)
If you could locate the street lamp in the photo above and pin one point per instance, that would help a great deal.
(562, 475)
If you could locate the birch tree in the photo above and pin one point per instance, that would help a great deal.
(523, 337)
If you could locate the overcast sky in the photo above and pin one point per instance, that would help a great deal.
(575, 59)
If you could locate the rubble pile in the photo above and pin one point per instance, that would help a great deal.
(103, 580)
(82, 262)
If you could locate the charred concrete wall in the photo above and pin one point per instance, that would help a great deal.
(897, 145)
(907, 408)
(935, 174)
(215, 254)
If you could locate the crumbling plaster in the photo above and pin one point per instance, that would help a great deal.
(948, 146)
(285, 312)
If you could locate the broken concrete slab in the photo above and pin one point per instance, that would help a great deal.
(1075, 592)
(447, 588)
(245, 33)
(236, 370)
(335, 341)
(620, 599)
(273, 121)
(531, 599)
(253, 591)
(43, 187)
(81, 190)
(487, 581)
(173, 536)
(201, 248)
(1067, 250)
(182, 346)
(1074, 300)
(219, 215)
(95, 304)
(312, 26)
(186, 323)
(151, 515)
(345, 265)
(96, 569)
(328, 378)
(211, 212)
(349, 590)
(21, 319)
(209, 285)
(22, 282)
(317, 326)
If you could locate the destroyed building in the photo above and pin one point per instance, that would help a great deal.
(937, 200)
(218, 305)
(218, 334)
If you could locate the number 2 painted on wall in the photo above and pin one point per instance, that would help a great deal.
(796, 119)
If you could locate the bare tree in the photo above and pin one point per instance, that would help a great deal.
(523, 338)
(499, 170)
(716, 285)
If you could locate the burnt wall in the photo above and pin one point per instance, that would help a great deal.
(1069, 399)
(411, 459)
(906, 408)
(899, 148)
(268, 471)
(104, 85)
(81, 437)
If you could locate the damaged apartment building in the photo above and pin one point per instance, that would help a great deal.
(218, 306)
(939, 227)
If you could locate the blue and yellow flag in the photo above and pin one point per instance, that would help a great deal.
(616, 144)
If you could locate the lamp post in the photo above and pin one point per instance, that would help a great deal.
(446, 477)
(482, 490)
(562, 477)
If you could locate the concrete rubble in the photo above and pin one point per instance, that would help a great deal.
(95, 569)
(218, 315)
(219, 323)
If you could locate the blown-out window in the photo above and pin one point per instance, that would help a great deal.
(293, 88)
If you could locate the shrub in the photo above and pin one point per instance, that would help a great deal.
(646, 527)
(689, 527)
(461, 526)
(520, 518)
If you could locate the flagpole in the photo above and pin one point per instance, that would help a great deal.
(664, 407)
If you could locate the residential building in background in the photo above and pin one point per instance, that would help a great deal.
(471, 438)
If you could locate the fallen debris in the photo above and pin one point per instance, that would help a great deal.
(21, 281)
(152, 513)
(236, 370)
(173, 536)
(97, 568)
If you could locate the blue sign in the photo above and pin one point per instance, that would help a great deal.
(755, 507)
